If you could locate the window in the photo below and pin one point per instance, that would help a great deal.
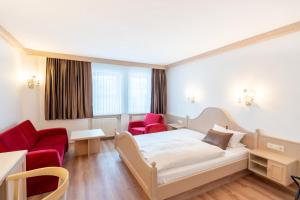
(118, 90)
(139, 90)
(107, 90)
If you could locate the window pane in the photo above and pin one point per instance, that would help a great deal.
(139, 90)
(107, 90)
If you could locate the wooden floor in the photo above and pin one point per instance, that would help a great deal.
(104, 177)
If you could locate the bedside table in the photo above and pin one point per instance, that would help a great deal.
(273, 166)
(174, 126)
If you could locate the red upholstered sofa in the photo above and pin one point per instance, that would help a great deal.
(45, 148)
(151, 124)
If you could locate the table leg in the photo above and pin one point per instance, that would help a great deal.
(88, 150)
(81, 147)
(87, 147)
(94, 145)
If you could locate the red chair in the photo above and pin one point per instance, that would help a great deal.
(151, 124)
(46, 148)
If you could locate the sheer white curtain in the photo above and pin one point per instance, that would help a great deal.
(139, 90)
(121, 90)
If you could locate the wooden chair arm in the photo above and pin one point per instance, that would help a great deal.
(59, 172)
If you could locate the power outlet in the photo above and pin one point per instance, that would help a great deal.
(275, 147)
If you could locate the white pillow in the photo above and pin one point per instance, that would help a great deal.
(235, 140)
(238, 146)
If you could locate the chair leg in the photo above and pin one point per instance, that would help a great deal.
(297, 195)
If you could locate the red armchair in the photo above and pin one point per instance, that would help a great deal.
(151, 124)
(45, 148)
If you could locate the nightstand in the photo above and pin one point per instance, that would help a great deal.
(273, 166)
(174, 126)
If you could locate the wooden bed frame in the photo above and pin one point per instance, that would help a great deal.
(146, 174)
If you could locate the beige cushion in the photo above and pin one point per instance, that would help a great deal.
(217, 138)
(235, 140)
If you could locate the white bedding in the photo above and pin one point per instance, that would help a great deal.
(175, 149)
(231, 155)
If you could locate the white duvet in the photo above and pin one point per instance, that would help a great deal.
(178, 148)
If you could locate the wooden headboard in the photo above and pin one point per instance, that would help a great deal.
(213, 115)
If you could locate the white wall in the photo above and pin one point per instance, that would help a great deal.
(30, 97)
(10, 70)
(271, 68)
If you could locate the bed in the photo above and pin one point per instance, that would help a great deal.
(161, 180)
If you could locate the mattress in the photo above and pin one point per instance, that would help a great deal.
(231, 155)
(146, 142)
(175, 149)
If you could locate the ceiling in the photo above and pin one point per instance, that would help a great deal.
(149, 31)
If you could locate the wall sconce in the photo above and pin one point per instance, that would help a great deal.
(193, 95)
(33, 81)
(192, 99)
(247, 97)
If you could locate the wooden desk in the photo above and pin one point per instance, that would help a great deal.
(11, 163)
(87, 141)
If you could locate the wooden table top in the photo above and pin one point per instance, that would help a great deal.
(87, 134)
(8, 161)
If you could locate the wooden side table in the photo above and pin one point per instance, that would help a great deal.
(174, 126)
(87, 141)
(273, 166)
(11, 163)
